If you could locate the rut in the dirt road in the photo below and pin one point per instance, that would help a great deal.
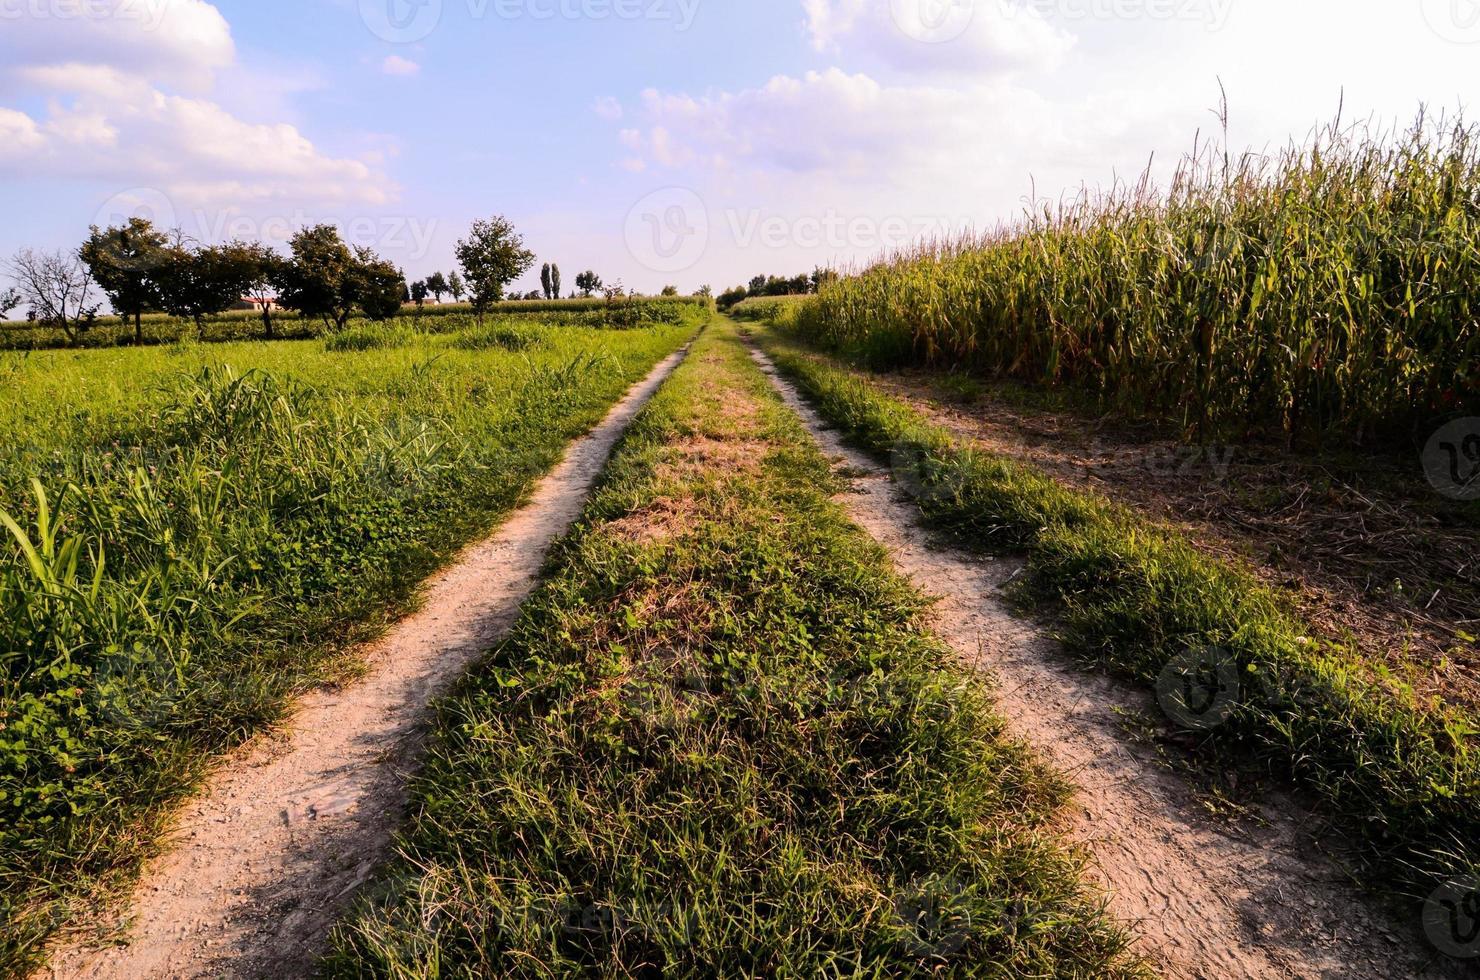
(1208, 900)
(282, 836)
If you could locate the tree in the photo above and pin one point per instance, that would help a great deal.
(545, 282)
(554, 281)
(437, 286)
(492, 256)
(320, 281)
(9, 300)
(58, 289)
(758, 286)
(588, 282)
(730, 297)
(122, 262)
(380, 287)
(197, 282)
(455, 286)
(822, 278)
(419, 293)
(669, 291)
(262, 266)
(706, 291)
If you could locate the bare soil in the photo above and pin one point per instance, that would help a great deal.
(1256, 896)
(1359, 543)
(275, 847)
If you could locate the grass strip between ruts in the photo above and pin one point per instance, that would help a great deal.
(720, 742)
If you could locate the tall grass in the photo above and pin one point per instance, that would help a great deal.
(1328, 288)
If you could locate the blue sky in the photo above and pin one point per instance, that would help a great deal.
(658, 141)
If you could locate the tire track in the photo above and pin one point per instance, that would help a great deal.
(1206, 899)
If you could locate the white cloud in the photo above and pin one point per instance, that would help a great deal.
(111, 72)
(396, 65)
(182, 42)
(976, 37)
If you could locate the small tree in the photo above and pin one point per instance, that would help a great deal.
(588, 282)
(730, 297)
(58, 289)
(199, 282)
(545, 282)
(419, 293)
(492, 256)
(321, 279)
(669, 291)
(262, 266)
(554, 281)
(122, 262)
(455, 286)
(9, 300)
(438, 286)
(380, 286)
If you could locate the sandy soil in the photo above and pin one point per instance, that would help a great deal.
(1207, 899)
(277, 843)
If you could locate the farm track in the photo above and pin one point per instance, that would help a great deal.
(272, 851)
(1207, 899)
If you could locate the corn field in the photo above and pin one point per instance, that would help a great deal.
(1326, 289)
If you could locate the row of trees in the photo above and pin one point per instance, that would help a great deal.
(143, 269)
(778, 286)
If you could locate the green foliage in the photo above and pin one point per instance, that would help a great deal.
(121, 261)
(190, 536)
(492, 256)
(726, 749)
(1136, 596)
(1328, 289)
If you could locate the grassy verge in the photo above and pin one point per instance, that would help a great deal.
(208, 529)
(720, 743)
(1230, 664)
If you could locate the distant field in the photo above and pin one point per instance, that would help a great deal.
(159, 328)
(197, 530)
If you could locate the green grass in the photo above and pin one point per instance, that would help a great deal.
(210, 526)
(1326, 291)
(719, 742)
(1144, 601)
